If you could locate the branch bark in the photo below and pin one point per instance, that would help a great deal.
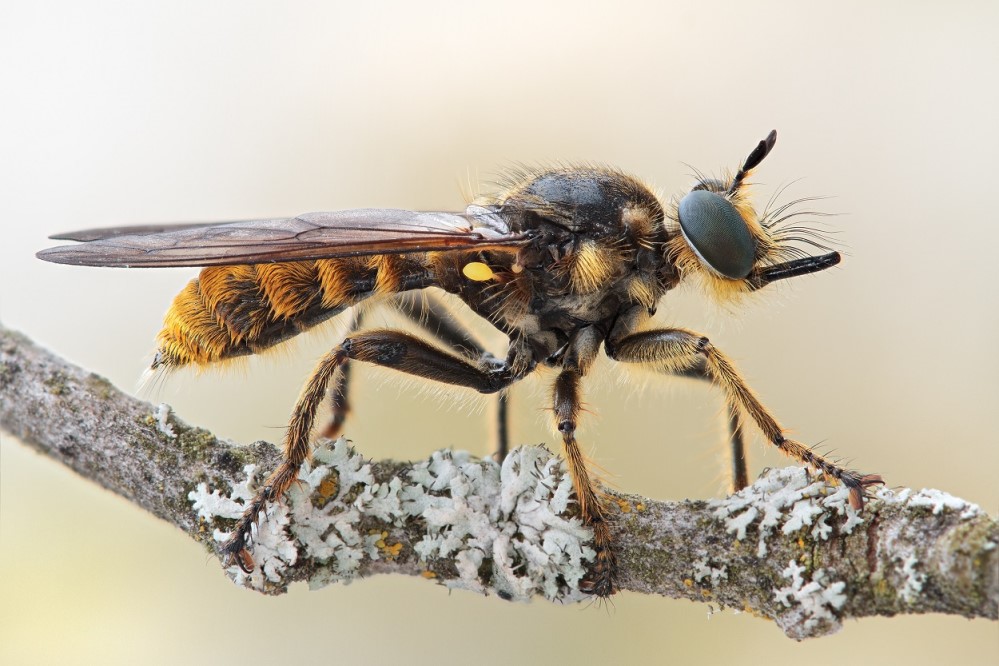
(788, 548)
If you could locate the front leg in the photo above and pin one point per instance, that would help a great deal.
(677, 351)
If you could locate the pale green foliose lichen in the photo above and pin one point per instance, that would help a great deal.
(936, 500)
(511, 517)
(791, 500)
(703, 571)
(787, 499)
(162, 416)
(914, 580)
(816, 600)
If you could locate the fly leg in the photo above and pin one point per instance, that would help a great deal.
(429, 314)
(566, 399)
(591, 504)
(737, 443)
(391, 349)
(677, 351)
(339, 406)
(433, 316)
(296, 451)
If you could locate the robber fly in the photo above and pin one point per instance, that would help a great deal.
(564, 261)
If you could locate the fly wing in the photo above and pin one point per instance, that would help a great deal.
(101, 233)
(306, 237)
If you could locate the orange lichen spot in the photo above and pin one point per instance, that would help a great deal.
(624, 505)
(389, 551)
(329, 486)
(801, 543)
(688, 582)
(428, 574)
(706, 593)
(477, 271)
(640, 507)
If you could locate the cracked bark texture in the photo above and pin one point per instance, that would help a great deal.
(804, 561)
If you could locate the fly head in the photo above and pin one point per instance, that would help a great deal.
(737, 250)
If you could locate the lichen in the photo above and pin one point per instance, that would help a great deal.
(506, 529)
(273, 552)
(704, 570)
(914, 580)
(937, 501)
(813, 603)
(162, 415)
(790, 500)
(515, 519)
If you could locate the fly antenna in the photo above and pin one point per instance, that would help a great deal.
(762, 149)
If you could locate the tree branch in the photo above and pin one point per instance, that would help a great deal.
(787, 548)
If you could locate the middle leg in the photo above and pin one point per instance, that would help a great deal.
(567, 404)
(736, 441)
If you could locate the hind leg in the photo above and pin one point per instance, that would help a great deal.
(392, 349)
(433, 316)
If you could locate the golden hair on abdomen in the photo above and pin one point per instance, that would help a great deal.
(231, 311)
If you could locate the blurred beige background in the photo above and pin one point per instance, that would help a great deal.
(119, 113)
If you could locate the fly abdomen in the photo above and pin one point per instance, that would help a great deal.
(230, 311)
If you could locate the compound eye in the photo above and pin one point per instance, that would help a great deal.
(717, 233)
